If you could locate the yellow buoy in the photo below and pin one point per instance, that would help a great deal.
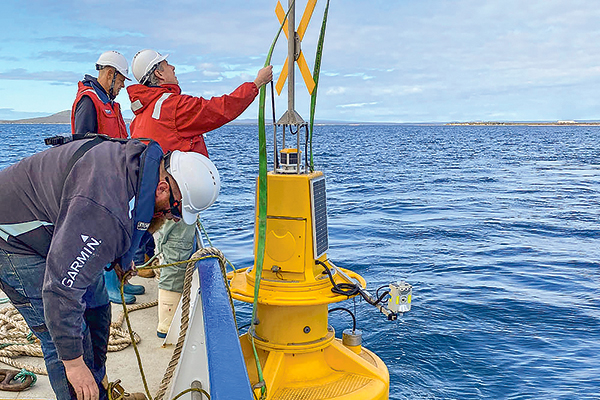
(297, 349)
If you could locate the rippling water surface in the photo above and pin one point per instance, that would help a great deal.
(497, 229)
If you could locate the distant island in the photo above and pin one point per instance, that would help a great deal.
(533, 123)
(63, 117)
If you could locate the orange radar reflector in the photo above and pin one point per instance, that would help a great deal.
(306, 74)
(308, 12)
(302, 65)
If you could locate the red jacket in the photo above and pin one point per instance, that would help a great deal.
(108, 115)
(177, 121)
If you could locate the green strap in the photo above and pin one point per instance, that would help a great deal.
(262, 202)
(316, 72)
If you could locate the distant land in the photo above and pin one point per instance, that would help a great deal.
(64, 117)
(528, 123)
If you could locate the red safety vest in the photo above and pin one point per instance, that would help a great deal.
(108, 115)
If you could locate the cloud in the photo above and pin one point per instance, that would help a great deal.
(10, 114)
(57, 77)
(66, 56)
(431, 60)
(357, 105)
(336, 90)
(211, 74)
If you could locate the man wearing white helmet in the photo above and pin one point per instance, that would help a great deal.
(94, 109)
(58, 231)
(178, 122)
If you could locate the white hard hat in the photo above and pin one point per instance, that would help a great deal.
(114, 59)
(143, 62)
(198, 180)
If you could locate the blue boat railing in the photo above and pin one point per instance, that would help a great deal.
(212, 356)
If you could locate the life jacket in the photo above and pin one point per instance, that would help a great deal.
(108, 115)
(178, 121)
(159, 121)
(142, 204)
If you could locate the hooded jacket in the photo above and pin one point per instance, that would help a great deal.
(178, 121)
(107, 113)
(79, 219)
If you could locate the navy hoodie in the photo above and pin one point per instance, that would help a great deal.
(80, 223)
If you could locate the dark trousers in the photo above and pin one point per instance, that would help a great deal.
(21, 279)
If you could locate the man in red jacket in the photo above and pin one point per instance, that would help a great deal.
(177, 122)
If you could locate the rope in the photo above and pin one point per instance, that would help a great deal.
(131, 308)
(208, 252)
(16, 364)
(199, 255)
(23, 374)
(204, 392)
(16, 339)
(199, 224)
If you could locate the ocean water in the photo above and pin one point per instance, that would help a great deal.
(496, 228)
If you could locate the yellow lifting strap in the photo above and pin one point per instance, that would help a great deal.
(302, 65)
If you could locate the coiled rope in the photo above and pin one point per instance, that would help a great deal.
(16, 339)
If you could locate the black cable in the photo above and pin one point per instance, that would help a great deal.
(354, 302)
(273, 102)
(349, 312)
(306, 150)
(345, 289)
(292, 132)
(378, 289)
(349, 289)
(379, 298)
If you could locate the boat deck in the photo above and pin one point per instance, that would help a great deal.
(122, 364)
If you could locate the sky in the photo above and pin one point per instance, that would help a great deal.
(383, 60)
